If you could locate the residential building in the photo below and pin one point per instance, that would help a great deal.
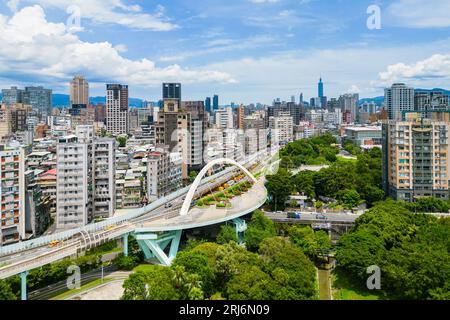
(79, 91)
(117, 109)
(164, 172)
(224, 118)
(349, 104)
(363, 135)
(74, 183)
(398, 99)
(427, 102)
(282, 129)
(416, 159)
(12, 195)
(240, 117)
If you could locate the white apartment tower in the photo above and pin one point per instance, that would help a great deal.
(398, 98)
(224, 118)
(73, 183)
(12, 195)
(282, 128)
(117, 109)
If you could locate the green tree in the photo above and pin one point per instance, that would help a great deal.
(6, 292)
(122, 141)
(350, 198)
(251, 284)
(279, 187)
(259, 229)
(227, 233)
(192, 176)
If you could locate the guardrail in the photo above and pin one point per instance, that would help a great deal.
(65, 235)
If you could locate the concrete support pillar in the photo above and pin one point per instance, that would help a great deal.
(23, 283)
(125, 245)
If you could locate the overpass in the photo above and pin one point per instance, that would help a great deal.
(155, 227)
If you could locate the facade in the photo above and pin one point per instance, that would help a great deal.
(12, 195)
(5, 122)
(79, 91)
(40, 99)
(224, 118)
(364, 135)
(427, 102)
(117, 109)
(240, 117)
(104, 187)
(398, 99)
(172, 91)
(349, 104)
(216, 102)
(282, 129)
(416, 159)
(164, 173)
(74, 182)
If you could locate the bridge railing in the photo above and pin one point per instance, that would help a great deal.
(65, 235)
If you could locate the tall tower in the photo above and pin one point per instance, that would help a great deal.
(117, 109)
(79, 91)
(398, 98)
(321, 88)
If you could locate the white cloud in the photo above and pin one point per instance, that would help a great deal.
(33, 48)
(223, 45)
(419, 13)
(113, 12)
(434, 67)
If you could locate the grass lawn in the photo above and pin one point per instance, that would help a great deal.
(345, 288)
(341, 159)
(143, 267)
(87, 286)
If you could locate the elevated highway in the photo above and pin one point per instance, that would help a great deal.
(154, 226)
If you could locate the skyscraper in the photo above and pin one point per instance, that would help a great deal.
(398, 98)
(117, 109)
(40, 100)
(79, 91)
(208, 104)
(240, 117)
(12, 96)
(427, 102)
(172, 91)
(216, 102)
(320, 88)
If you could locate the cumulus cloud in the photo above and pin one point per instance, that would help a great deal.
(111, 11)
(436, 66)
(33, 48)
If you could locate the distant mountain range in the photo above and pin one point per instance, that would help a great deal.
(380, 100)
(63, 100)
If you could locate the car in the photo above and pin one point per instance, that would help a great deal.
(321, 217)
(280, 212)
(168, 205)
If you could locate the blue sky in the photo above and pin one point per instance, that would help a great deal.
(244, 50)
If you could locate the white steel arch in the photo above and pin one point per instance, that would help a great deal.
(191, 193)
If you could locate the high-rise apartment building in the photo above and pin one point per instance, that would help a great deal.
(85, 178)
(224, 118)
(398, 99)
(164, 172)
(103, 170)
(427, 102)
(349, 104)
(74, 183)
(117, 109)
(12, 195)
(416, 159)
(282, 129)
(79, 91)
(240, 117)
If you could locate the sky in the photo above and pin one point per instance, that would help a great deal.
(246, 51)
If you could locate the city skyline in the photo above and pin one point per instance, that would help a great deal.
(286, 39)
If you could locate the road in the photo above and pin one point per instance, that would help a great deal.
(315, 217)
